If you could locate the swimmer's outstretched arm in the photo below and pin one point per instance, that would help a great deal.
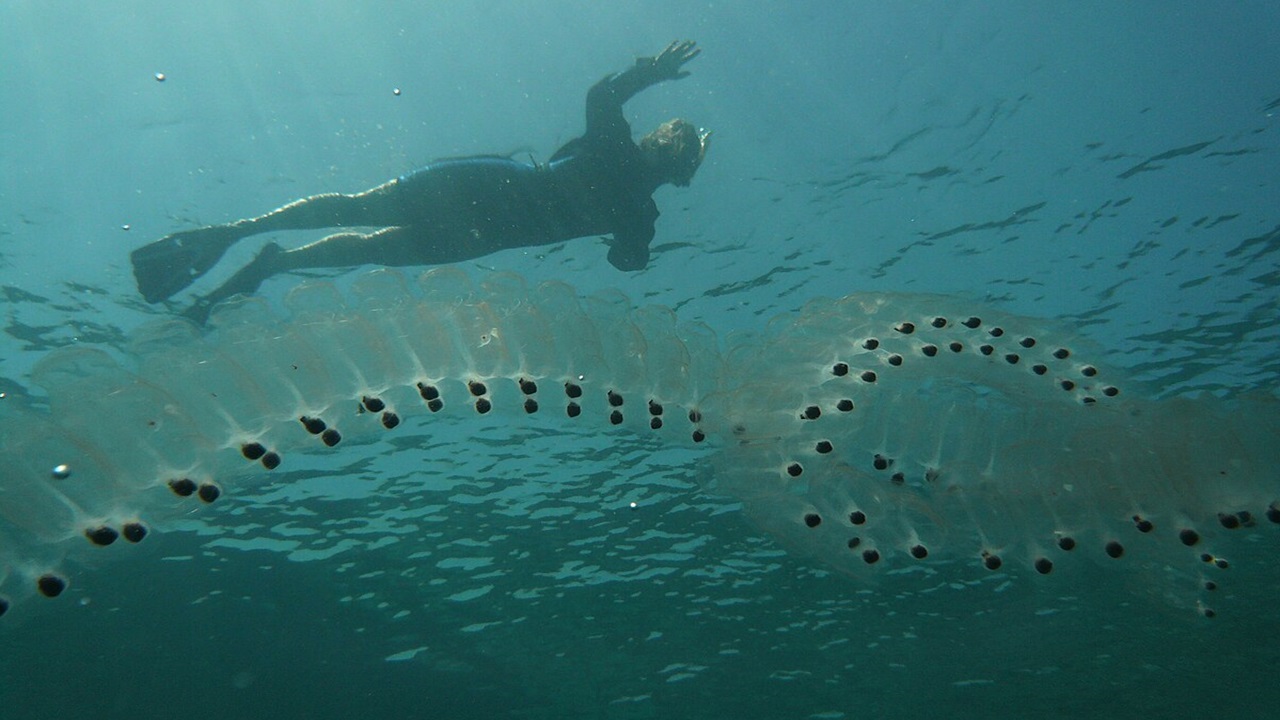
(606, 98)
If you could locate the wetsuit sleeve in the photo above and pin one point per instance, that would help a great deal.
(629, 247)
(606, 98)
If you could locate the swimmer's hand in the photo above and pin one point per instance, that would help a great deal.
(668, 63)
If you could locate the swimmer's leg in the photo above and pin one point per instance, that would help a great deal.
(394, 246)
(173, 262)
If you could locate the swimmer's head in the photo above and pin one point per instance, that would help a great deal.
(675, 150)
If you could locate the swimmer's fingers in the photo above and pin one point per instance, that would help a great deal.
(668, 63)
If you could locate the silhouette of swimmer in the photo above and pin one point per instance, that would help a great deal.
(597, 184)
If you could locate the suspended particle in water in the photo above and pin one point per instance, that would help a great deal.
(396, 92)
(61, 472)
(125, 227)
(159, 77)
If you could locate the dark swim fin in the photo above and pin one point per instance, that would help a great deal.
(173, 262)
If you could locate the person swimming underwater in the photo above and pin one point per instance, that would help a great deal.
(453, 210)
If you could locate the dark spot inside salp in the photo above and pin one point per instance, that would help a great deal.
(813, 520)
(938, 322)
(135, 532)
(929, 350)
(840, 369)
(1221, 563)
(1012, 358)
(919, 552)
(1039, 369)
(1062, 353)
(1246, 517)
(1210, 585)
(1229, 521)
(1044, 566)
(898, 478)
(573, 391)
(315, 426)
(881, 462)
(50, 585)
(655, 408)
(477, 388)
(1209, 613)
(871, 557)
(527, 386)
(1206, 558)
(813, 412)
(996, 332)
(4, 606)
(1110, 391)
(956, 347)
(209, 492)
(428, 392)
(1067, 543)
(857, 517)
(869, 376)
(655, 423)
(1273, 514)
(1089, 371)
(271, 460)
(530, 406)
(1189, 537)
(435, 405)
(972, 322)
(991, 561)
(699, 436)
(186, 487)
(615, 399)
(894, 360)
(1086, 400)
(846, 405)
(573, 409)
(372, 404)
(615, 417)
(390, 420)
(1027, 342)
(1144, 525)
(1067, 385)
(1114, 549)
(253, 451)
(102, 535)
(823, 447)
(483, 405)
(905, 328)
(854, 542)
(870, 344)
(986, 349)
(795, 470)
(330, 437)
(695, 416)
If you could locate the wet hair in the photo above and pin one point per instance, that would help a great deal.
(676, 150)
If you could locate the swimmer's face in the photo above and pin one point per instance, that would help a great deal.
(676, 150)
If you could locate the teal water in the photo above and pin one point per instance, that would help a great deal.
(1109, 166)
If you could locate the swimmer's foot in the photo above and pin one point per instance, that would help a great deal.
(244, 282)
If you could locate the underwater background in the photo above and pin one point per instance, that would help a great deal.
(1109, 165)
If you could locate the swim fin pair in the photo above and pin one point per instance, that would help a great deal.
(166, 266)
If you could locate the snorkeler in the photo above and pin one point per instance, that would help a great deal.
(453, 210)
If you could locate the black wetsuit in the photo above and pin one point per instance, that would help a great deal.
(596, 184)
